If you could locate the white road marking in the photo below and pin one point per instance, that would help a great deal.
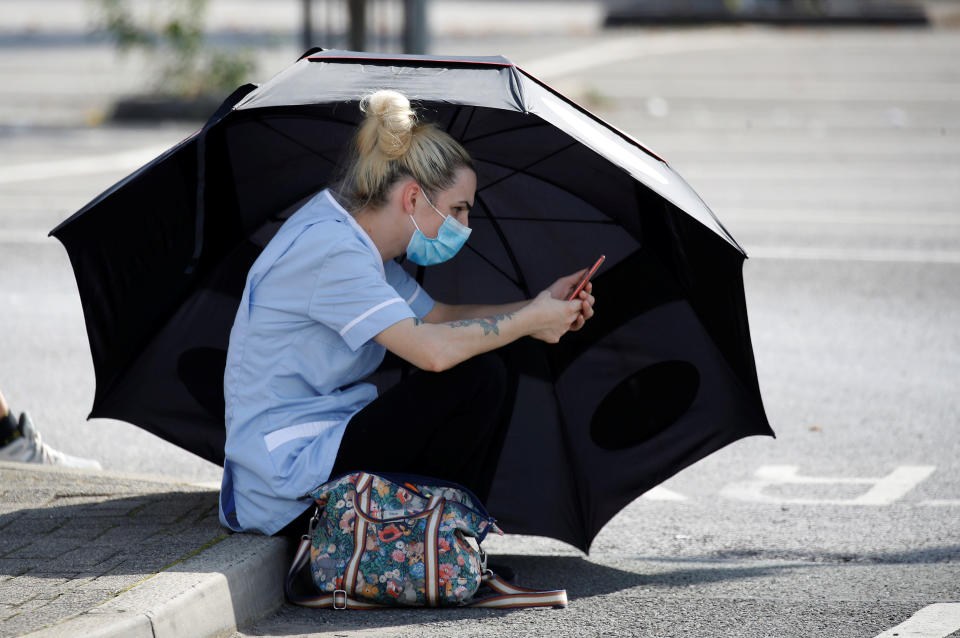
(27, 237)
(942, 502)
(884, 490)
(737, 214)
(786, 253)
(933, 621)
(646, 44)
(659, 493)
(133, 159)
(90, 165)
(650, 43)
(818, 253)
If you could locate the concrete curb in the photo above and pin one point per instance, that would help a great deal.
(228, 585)
(230, 582)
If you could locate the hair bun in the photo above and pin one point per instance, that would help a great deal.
(392, 122)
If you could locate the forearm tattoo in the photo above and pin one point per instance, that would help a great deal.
(489, 324)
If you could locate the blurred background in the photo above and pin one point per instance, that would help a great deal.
(68, 62)
(823, 133)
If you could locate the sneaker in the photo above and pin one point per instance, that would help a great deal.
(28, 448)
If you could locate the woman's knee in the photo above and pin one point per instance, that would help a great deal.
(487, 373)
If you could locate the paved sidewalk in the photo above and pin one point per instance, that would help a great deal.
(111, 554)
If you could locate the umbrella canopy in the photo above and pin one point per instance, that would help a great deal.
(662, 375)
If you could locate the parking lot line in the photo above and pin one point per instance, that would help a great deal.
(87, 165)
(830, 253)
(933, 621)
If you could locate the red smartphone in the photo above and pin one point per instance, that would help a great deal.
(586, 278)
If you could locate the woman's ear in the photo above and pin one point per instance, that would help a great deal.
(409, 193)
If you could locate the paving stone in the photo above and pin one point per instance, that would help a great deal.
(121, 532)
(73, 500)
(38, 513)
(45, 550)
(26, 496)
(18, 623)
(210, 516)
(12, 546)
(17, 591)
(26, 527)
(114, 582)
(9, 514)
(45, 612)
(172, 510)
(18, 566)
(86, 530)
(104, 582)
(117, 507)
(34, 604)
(113, 564)
(75, 560)
(69, 542)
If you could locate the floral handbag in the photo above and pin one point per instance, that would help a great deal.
(381, 540)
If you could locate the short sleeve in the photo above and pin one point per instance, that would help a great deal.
(351, 296)
(406, 286)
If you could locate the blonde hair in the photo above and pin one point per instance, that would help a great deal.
(392, 143)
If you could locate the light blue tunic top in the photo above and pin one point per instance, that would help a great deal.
(300, 346)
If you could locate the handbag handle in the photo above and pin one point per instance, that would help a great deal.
(362, 504)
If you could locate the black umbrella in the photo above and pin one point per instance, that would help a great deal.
(662, 376)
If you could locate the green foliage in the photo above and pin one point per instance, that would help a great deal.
(172, 33)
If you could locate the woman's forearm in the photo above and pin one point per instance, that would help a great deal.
(458, 340)
(448, 312)
(439, 346)
(436, 345)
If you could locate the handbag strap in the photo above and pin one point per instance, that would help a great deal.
(361, 504)
(335, 600)
(506, 596)
(509, 596)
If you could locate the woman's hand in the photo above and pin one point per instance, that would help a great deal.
(562, 288)
(555, 316)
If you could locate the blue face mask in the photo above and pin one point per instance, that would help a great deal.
(449, 240)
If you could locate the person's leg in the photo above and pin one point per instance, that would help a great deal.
(20, 442)
(9, 428)
(448, 425)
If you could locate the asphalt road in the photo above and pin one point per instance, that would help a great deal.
(833, 157)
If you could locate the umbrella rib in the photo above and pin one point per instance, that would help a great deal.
(453, 119)
(521, 280)
(523, 170)
(502, 131)
(495, 267)
(545, 181)
(466, 127)
(296, 141)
